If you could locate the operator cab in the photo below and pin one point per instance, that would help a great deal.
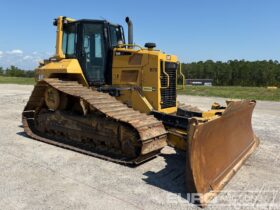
(92, 43)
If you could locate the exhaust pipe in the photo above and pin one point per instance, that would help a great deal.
(130, 31)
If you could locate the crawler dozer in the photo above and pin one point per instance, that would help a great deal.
(117, 101)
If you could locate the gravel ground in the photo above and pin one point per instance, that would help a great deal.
(34, 175)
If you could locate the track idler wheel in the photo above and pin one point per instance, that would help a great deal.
(54, 99)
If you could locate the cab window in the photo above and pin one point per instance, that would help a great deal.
(69, 40)
(115, 35)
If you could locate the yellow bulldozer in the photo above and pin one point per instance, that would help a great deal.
(115, 100)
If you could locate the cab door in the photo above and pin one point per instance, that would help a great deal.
(93, 54)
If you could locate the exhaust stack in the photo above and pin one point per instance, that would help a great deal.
(130, 31)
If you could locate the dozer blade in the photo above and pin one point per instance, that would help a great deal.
(217, 148)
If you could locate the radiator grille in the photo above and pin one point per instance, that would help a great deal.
(168, 95)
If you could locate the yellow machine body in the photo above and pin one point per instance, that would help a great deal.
(140, 70)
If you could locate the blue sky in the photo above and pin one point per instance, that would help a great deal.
(192, 29)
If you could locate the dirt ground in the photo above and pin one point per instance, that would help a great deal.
(34, 175)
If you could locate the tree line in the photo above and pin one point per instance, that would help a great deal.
(14, 71)
(235, 72)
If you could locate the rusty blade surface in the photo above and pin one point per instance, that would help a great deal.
(217, 148)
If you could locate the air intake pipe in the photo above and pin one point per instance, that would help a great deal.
(130, 31)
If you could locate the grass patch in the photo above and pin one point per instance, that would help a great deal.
(17, 80)
(233, 92)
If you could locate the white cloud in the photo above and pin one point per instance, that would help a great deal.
(21, 59)
(27, 57)
(16, 51)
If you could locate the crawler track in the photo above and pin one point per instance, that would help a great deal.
(109, 129)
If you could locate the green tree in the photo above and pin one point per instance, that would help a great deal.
(13, 71)
(235, 72)
(1, 71)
